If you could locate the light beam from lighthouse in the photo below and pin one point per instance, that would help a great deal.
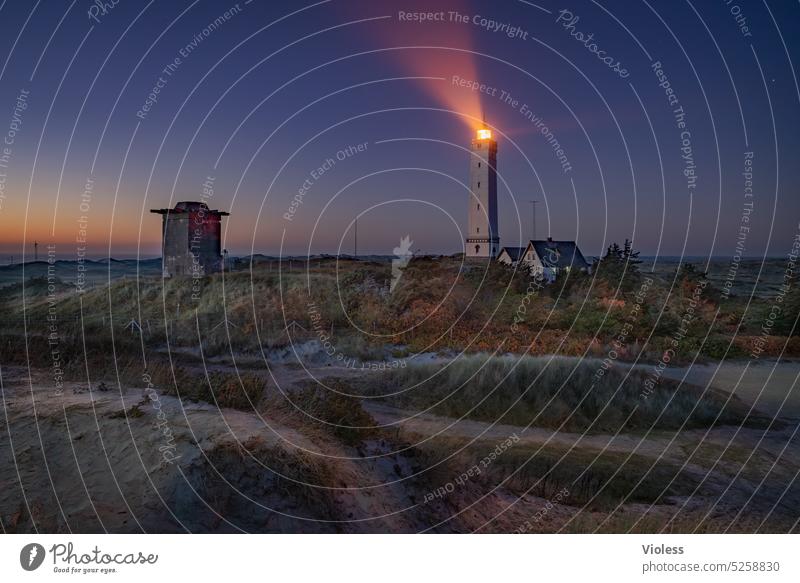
(483, 237)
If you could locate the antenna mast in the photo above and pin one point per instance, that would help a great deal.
(533, 218)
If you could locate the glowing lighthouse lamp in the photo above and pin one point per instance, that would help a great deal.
(483, 239)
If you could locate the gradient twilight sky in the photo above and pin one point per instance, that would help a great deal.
(272, 90)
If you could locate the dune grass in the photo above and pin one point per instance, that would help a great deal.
(339, 414)
(585, 476)
(557, 393)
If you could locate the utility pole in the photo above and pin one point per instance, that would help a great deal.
(355, 243)
(36, 250)
(533, 218)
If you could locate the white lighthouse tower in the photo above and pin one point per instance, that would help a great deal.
(483, 238)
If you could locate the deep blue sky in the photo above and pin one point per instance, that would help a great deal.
(281, 94)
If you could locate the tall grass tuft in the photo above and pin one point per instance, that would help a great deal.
(343, 415)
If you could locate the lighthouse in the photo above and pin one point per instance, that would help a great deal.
(483, 238)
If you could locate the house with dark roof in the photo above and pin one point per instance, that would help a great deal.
(510, 255)
(550, 258)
